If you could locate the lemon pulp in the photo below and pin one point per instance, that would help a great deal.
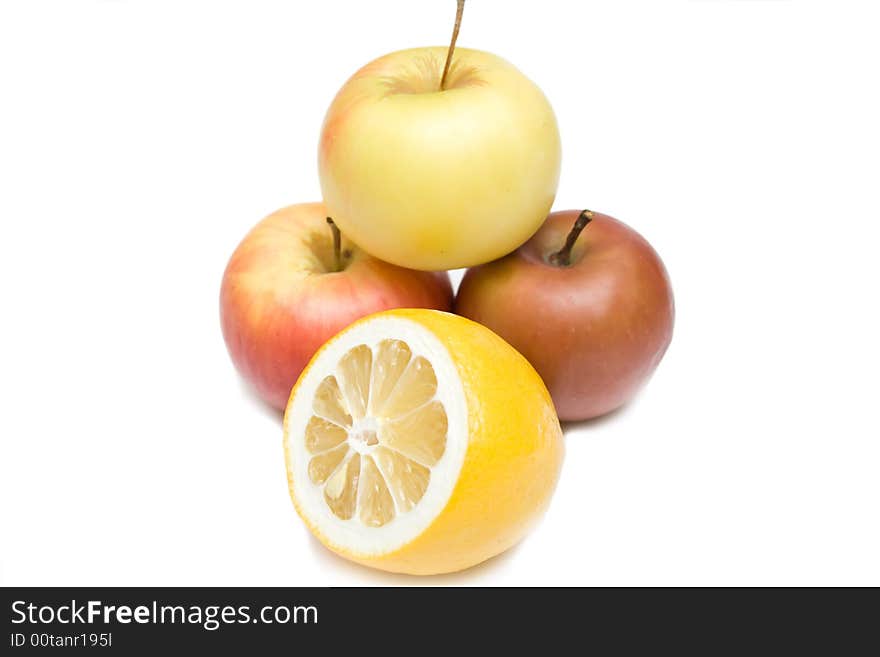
(375, 433)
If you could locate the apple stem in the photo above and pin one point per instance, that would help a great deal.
(458, 14)
(337, 245)
(562, 258)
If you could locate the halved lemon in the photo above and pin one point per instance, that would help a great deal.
(420, 442)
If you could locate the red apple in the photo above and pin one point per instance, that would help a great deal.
(290, 286)
(587, 301)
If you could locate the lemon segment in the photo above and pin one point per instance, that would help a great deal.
(329, 403)
(415, 387)
(323, 465)
(322, 435)
(340, 492)
(376, 506)
(408, 480)
(392, 357)
(419, 435)
(354, 370)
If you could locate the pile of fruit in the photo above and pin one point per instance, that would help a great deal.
(421, 428)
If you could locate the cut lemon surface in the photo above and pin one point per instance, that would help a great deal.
(420, 442)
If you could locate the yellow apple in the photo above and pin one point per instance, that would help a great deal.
(431, 178)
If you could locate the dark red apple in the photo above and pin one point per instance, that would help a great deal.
(294, 282)
(587, 301)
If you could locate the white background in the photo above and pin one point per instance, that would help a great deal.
(140, 140)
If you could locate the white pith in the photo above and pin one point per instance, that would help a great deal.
(352, 535)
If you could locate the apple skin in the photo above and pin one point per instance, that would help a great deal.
(432, 179)
(595, 330)
(279, 301)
